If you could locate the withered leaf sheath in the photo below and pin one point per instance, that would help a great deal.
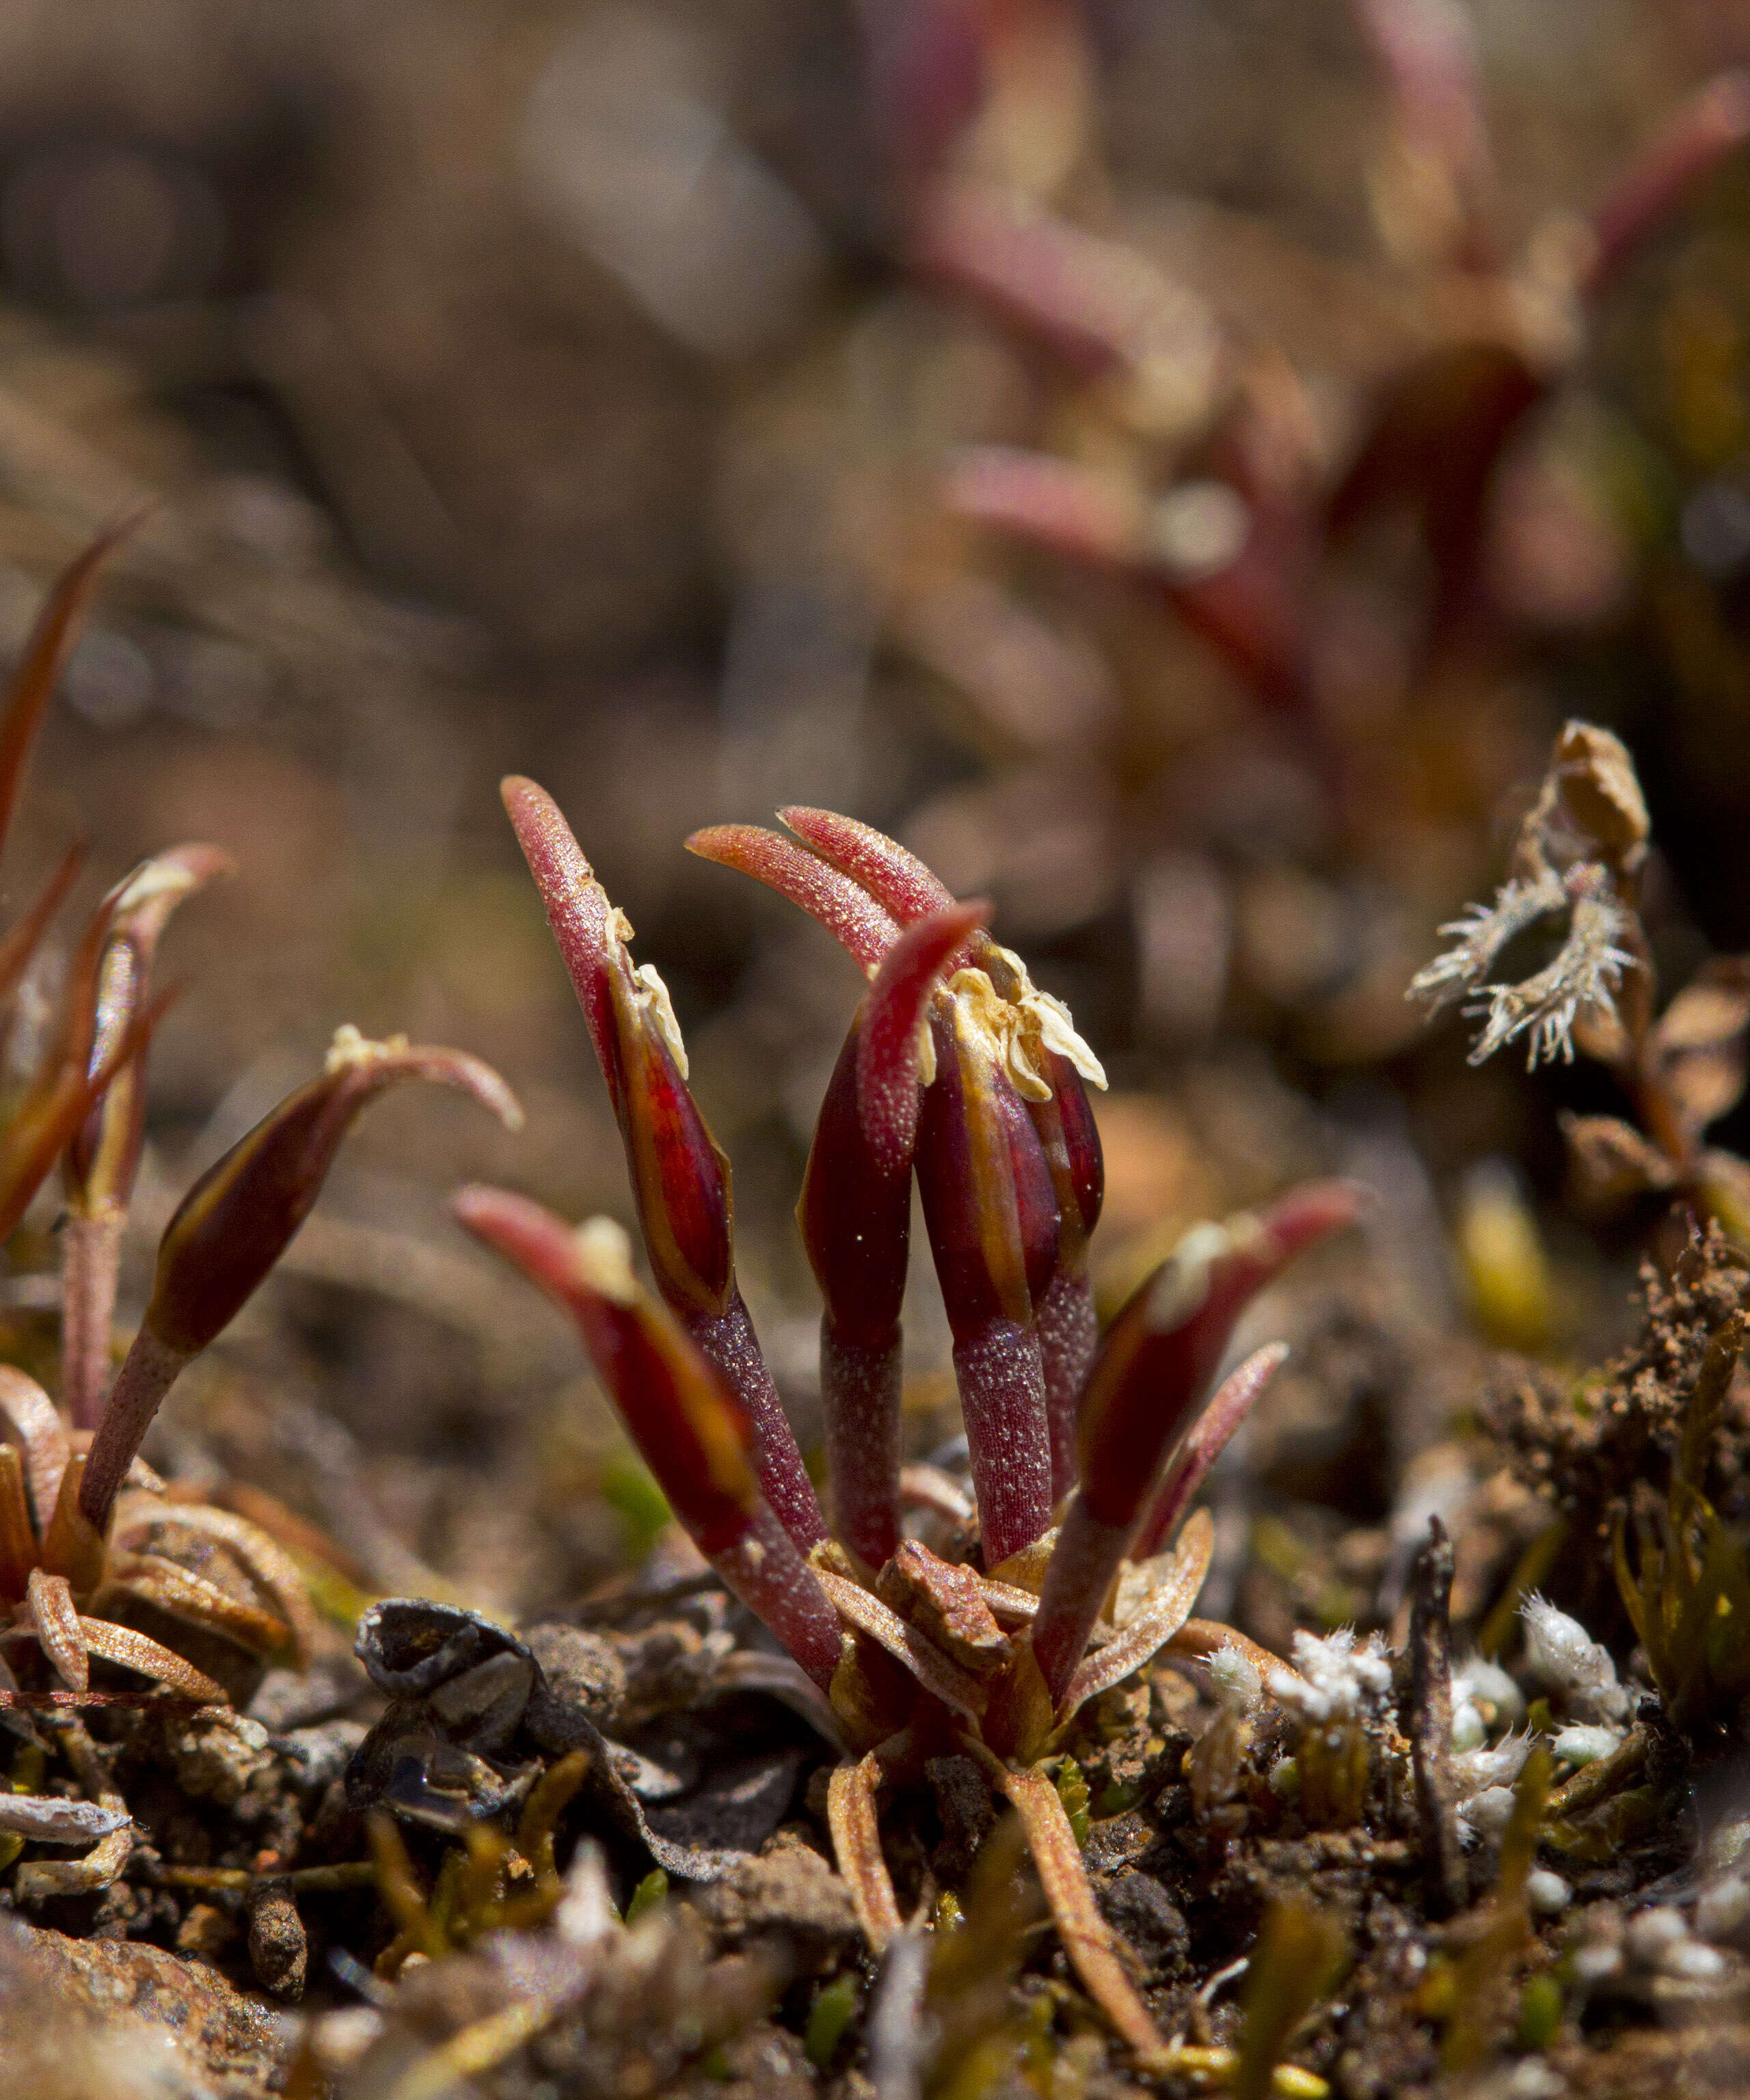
(1151, 1372)
(236, 1220)
(72, 1079)
(100, 1162)
(855, 1217)
(689, 1427)
(680, 1176)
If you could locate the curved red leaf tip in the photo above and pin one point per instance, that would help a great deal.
(103, 1152)
(1090, 516)
(374, 1065)
(25, 934)
(152, 892)
(1207, 1438)
(689, 1430)
(1200, 1288)
(897, 879)
(1713, 123)
(46, 649)
(577, 905)
(1164, 1348)
(240, 1216)
(894, 1042)
(829, 895)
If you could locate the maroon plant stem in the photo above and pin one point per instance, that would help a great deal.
(1002, 1383)
(860, 1389)
(727, 1337)
(91, 1257)
(148, 1372)
(1068, 1330)
(1068, 1339)
(765, 1570)
(1209, 1435)
(1083, 1564)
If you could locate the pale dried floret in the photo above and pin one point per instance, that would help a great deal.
(1560, 1652)
(1015, 1032)
(1480, 937)
(1582, 980)
(351, 1046)
(652, 997)
(650, 994)
(1337, 1680)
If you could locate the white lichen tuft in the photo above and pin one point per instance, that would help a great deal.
(1236, 1679)
(1585, 1743)
(1559, 1651)
(1337, 1680)
(1487, 1688)
(1484, 1817)
(1475, 1772)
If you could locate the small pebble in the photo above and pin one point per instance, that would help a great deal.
(321, 1754)
(342, 2037)
(279, 1951)
(1594, 1963)
(1546, 1892)
(1532, 2080)
(1692, 1962)
(1648, 1936)
(1722, 1908)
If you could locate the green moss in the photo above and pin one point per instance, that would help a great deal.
(834, 2007)
(650, 1892)
(1539, 2012)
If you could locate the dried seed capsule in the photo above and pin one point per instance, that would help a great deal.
(72, 1079)
(688, 1425)
(103, 1158)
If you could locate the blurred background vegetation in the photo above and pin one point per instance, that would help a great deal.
(651, 396)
